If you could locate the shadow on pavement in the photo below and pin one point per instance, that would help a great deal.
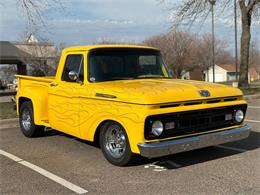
(207, 154)
(186, 158)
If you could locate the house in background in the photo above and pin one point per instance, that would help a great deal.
(223, 73)
(27, 53)
(227, 73)
(39, 52)
(254, 74)
(28, 57)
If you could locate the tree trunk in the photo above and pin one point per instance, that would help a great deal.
(245, 44)
(207, 74)
(178, 72)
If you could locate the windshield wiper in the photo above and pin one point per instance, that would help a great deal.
(121, 78)
(152, 77)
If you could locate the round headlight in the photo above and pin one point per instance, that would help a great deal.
(157, 128)
(239, 116)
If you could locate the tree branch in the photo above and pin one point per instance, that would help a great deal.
(251, 4)
(242, 5)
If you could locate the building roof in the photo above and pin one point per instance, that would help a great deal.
(37, 50)
(228, 67)
(10, 54)
(90, 47)
(32, 39)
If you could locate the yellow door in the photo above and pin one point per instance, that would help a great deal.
(63, 96)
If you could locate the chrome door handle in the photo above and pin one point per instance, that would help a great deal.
(53, 84)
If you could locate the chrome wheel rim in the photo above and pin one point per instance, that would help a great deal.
(26, 120)
(115, 141)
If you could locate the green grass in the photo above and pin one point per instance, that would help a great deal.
(7, 110)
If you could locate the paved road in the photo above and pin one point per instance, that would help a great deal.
(227, 169)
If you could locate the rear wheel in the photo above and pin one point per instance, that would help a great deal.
(114, 144)
(26, 119)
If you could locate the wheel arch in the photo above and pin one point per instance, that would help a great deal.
(90, 129)
(37, 105)
(99, 126)
(21, 100)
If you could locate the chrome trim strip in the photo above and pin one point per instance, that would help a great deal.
(157, 149)
(105, 95)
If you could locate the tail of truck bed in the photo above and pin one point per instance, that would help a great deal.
(34, 89)
(25, 80)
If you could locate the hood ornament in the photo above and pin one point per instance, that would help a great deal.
(204, 93)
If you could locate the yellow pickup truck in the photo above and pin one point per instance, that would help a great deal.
(122, 98)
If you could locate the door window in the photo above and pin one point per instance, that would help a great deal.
(73, 63)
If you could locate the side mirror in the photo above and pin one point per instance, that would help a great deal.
(73, 75)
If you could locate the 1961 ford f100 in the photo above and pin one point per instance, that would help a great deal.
(122, 98)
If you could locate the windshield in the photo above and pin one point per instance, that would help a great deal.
(124, 64)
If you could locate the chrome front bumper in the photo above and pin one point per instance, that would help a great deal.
(157, 149)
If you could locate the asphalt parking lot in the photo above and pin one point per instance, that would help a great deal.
(61, 164)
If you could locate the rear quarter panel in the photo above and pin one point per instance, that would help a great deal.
(35, 89)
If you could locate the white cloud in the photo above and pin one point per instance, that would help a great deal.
(70, 21)
(86, 21)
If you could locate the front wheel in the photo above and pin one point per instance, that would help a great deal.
(114, 144)
(26, 119)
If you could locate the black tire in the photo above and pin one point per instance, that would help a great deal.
(126, 156)
(26, 119)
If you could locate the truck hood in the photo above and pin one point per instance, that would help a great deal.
(157, 91)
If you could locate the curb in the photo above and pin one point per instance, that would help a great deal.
(8, 93)
(252, 97)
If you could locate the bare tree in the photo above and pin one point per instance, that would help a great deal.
(40, 56)
(224, 57)
(191, 10)
(176, 48)
(183, 51)
(34, 11)
(182, 48)
(202, 52)
(246, 13)
(108, 41)
(57, 53)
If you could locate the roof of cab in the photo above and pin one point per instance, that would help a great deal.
(90, 47)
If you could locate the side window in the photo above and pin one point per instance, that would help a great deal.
(73, 63)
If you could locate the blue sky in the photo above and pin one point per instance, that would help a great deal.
(88, 21)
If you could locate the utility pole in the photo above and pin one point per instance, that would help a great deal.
(212, 2)
(235, 21)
